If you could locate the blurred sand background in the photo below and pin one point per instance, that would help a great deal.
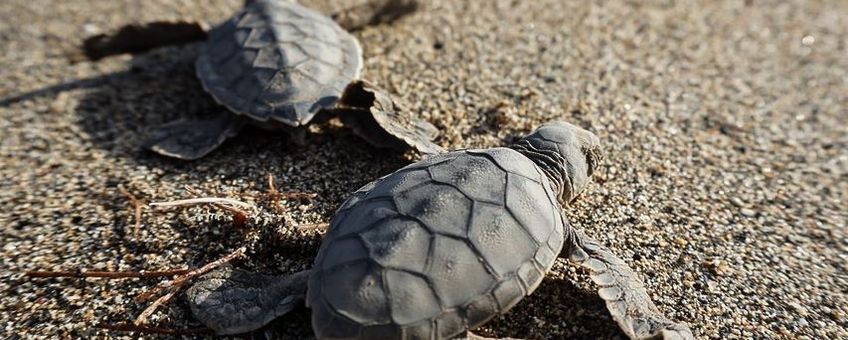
(724, 184)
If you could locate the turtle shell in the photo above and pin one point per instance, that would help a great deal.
(438, 247)
(278, 60)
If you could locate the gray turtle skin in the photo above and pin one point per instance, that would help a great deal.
(441, 246)
(376, 117)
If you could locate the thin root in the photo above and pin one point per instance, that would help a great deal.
(137, 209)
(123, 327)
(239, 215)
(147, 312)
(272, 189)
(202, 200)
(314, 226)
(275, 194)
(184, 278)
(111, 275)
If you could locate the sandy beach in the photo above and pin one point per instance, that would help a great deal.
(724, 182)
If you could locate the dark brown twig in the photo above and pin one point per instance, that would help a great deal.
(274, 195)
(137, 209)
(298, 195)
(111, 275)
(147, 312)
(123, 327)
(184, 278)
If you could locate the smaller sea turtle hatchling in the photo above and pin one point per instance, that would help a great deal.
(440, 247)
(276, 64)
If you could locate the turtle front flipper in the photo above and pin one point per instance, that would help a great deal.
(193, 139)
(233, 301)
(623, 292)
(373, 115)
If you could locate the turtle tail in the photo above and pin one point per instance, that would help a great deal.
(233, 301)
(623, 292)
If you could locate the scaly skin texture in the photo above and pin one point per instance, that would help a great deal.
(379, 119)
(443, 245)
(624, 294)
(233, 301)
(566, 153)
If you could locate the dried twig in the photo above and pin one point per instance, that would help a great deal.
(137, 208)
(183, 279)
(298, 195)
(147, 312)
(274, 195)
(111, 275)
(239, 215)
(272, 189)
(202, 200)
(122, 327)
(314, 226)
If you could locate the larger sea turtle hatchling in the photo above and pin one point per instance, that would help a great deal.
(442, 246)
(276, 64)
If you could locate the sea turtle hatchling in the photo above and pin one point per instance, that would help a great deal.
(440, 247)
(276, 64)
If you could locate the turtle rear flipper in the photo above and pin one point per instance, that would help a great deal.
(377, 118)
(193, 139)
(623, 292)
(233, 301)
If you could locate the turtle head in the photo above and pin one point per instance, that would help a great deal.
(567, 153)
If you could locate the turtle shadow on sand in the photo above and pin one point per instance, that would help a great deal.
(159, 87)
(580, 314)
(118, 111)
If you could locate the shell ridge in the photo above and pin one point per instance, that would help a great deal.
(467, 239)
(387, 290)
(428, 266)
(492, 158)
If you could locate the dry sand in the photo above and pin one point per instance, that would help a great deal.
(724, 185)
